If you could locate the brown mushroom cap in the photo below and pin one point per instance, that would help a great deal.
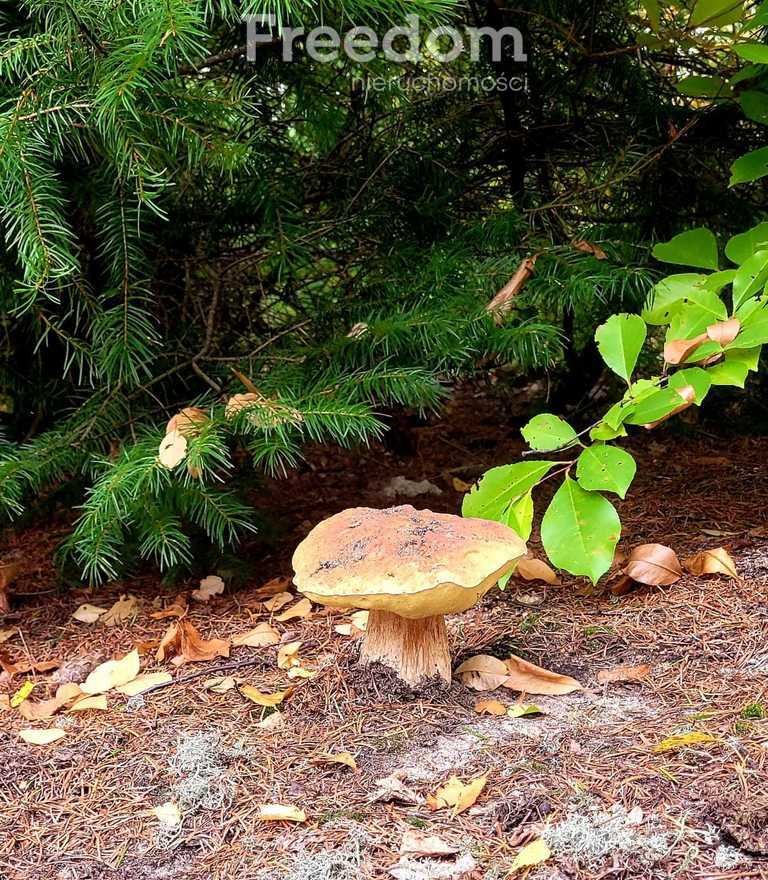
(414, 563)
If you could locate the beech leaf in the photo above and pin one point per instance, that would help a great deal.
(532, 569)
(522, 675)
(112, 674)
(624, 674)
(42, 737)
(261, 636)
(654, 564)
(303, 608)
(267, 700)
(716, 561)
(88, 613)
(533, 853)
(483, 672)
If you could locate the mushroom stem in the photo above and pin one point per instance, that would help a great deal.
(416, 649)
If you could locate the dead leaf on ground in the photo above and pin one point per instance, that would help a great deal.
(88, 613)
(39, 711)
(9, 633)
(42, 737)
(172, 450)
(301, 672)
(22, 693)
(98, 702)
(278, 601)
(522, 675)
(261, 636)
(490, 707)
(521, 710)
(288, 655)
(112, 674)
(280, 813)
(724, 332)
(458, 795)
(483, 672)
(23, 666)
(681, 740)
(344, 758)
(392, 788)
(534, 853)
(9, 571)
(261, 699)
(624, 674)
(358, 623)
(716, 561)
(273, 721)
(126, 608)
(460, 485)
(210, 586)
(654, 564)
(184, 644)
(302, 609)
(419, 845)
(168, 813)
(272, 587)
(178, 608)
(220, 685)
(143, 683)
(533, 569)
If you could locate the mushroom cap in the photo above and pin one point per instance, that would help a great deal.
(414, 563)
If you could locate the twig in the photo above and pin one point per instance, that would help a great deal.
(226, 667)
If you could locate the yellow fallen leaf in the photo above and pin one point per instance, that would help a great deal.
(680, 740)
(717, 561)
(339, 758)
(303, 608)
(126, 608)
(42, 737)
(97, 702)
(533, 853)
(483, 672)
(280, 813)
(301, 672)
(532, 569)
(22, 693)
(112, 674)
(278, 601)
(490, 707)
(521, 711)
(261, 636)
(288, 655)
(256, 696)
(143, 683)
(168, 813)
(88, 613)
(457, 794)
(220, 685)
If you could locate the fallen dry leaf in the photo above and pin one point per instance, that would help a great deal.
(523, 675)
(519, 710)
(419, 845)
(490, 707)
(9, 571)
(88, 613)
(624, 673)
(654, 564)
(42, 737)
(483, 672)
(532, 569)
(184, 644)
(126, 608)
(532, 854)
(278, 601)
(210, 586)
(261, 636)
(22, 693)
(65, 694)
(9, 633)
(460, 485)
(112, 674)
(589, 247)
(220, 685)
(168, 813)
(178, 608)
(457, 794)
(280, 813)
(392, 788)
(272, 587)
(358, 623)
(724, 332)
(22, 668)
(344, 758)
(173, 449)
(302, 609)
(274, 721)
(96, 702)
(288, 655)
(716, 561)
(680, 740)
(301, 672)
(268, 700)
(143, 683)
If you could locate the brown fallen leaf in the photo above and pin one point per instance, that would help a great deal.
(88, 613)
(457, 794)
(272, 587)
(654, 564)
(460, 485)
(288, 655)
(98, 702)
(483, 672)
(280, 813)
(419, 845)
(302, 609)
(344, 758)
(23, 666)
(278, 601)
(533, 569)
(178, 608)
(112, 674)
(42, 737)
(172, 450)
(490, 707)
(392, 788)
(39, 711)
(184, 644)
(143, 683)
(210, 586)
(9, 633)
(267, 700)
(9, 571)
(678, 350)
(624, 673)
(715, 561)
(261, 636)
(525, 676)
(724, 332)
(126, 608)
(622, 586)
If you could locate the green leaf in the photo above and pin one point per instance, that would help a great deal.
(519, 515)
(755, 105)
(750, 277)
(692, 318)
(741, 247)
(658, 405)
(620, 341)
(754, 329)
(501, 486)
(674, 290)
(651, 8)
(716, 13)
(699, 379)
(704, 87)
(606, 468)
(731, 371)
(580, 531)
(749, 167)
(546, 432)
(695, 247)
(755, 52)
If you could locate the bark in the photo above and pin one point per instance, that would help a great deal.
(416, 649)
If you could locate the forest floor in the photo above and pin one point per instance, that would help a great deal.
(587, 773)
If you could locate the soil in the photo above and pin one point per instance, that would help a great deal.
(82, 806)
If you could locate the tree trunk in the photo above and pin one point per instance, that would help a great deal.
(416, 649)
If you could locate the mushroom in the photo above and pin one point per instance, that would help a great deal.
(409, 568)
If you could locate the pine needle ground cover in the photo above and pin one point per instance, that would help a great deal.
(657, 776)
